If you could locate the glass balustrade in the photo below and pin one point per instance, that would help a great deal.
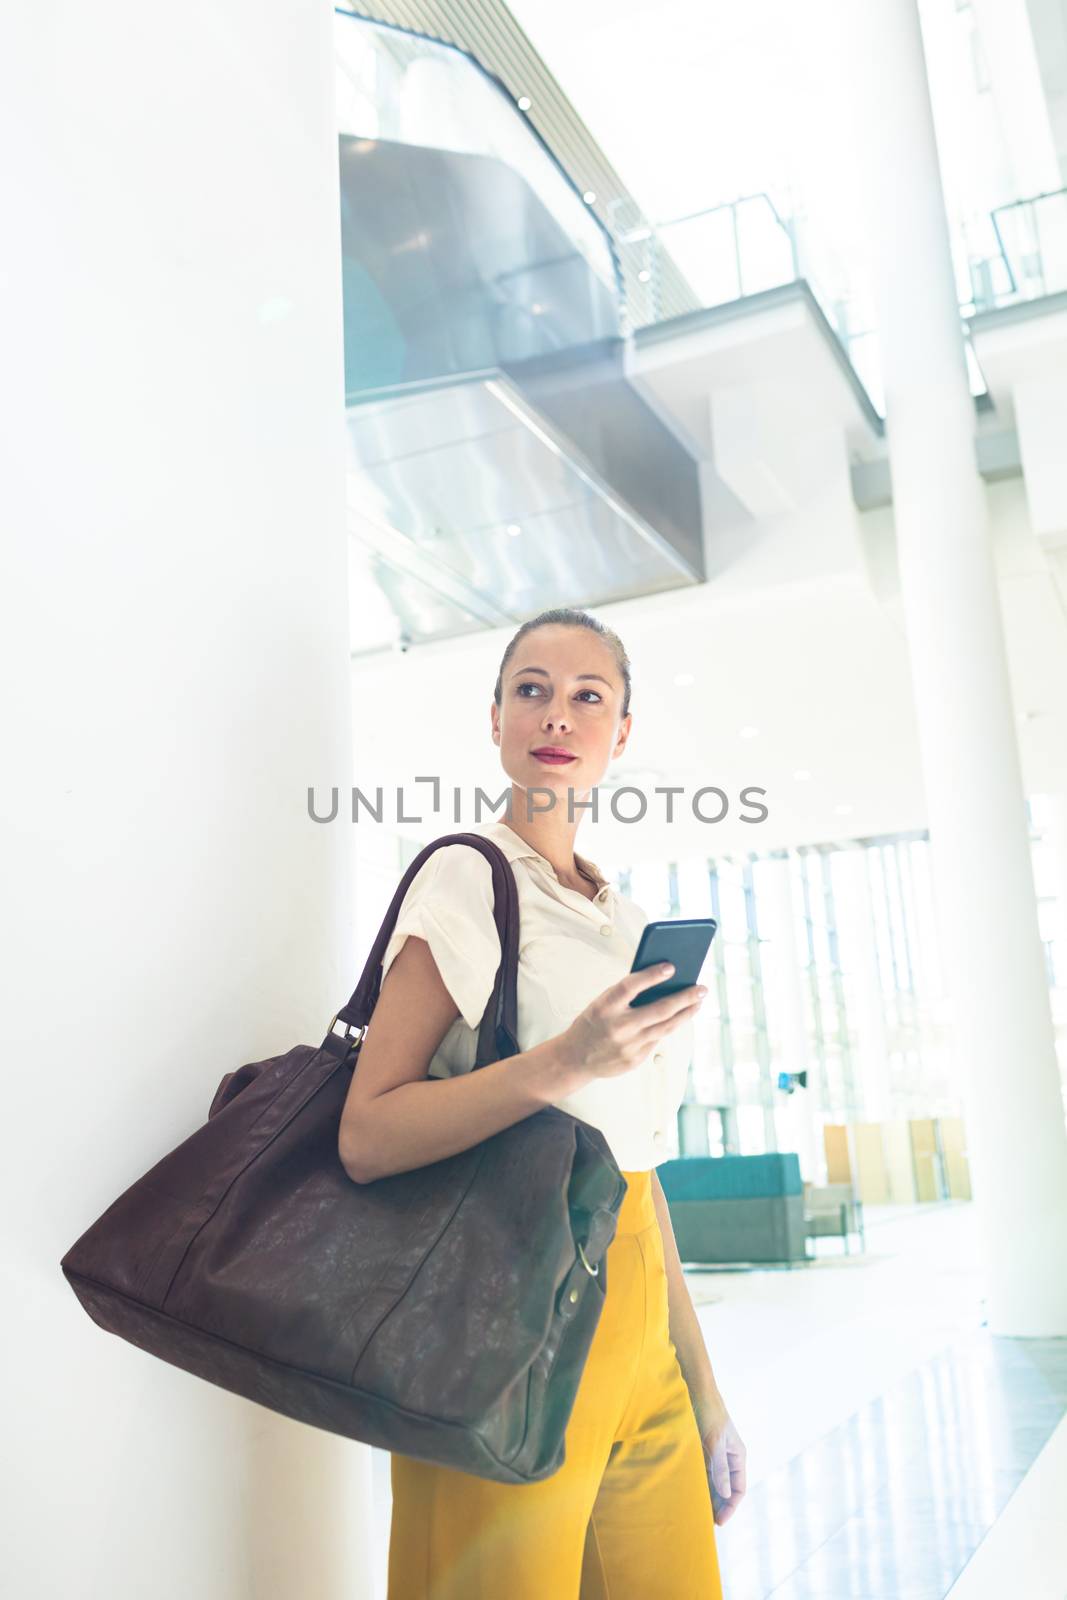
(1017, 253)
(1031, 256)
(398, 86)
(744, 246)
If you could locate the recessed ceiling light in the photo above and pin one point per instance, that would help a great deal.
(524, 102)
(683, 679)
(801, 774)
(749, 732)
(537, 308)
(514, 529)
(589, 197)
(644, 275)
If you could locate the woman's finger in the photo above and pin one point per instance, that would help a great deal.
(720, 1470)
(675, 1008)
(738, 1474)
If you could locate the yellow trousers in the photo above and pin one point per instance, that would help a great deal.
(628, 1515)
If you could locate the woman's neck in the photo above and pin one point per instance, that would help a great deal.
(572, 870)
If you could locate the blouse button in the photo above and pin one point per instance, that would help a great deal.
(658, 1057)
(606, 930)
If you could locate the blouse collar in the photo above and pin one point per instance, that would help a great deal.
(515, 847)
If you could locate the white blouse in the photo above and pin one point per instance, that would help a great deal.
(571, 948)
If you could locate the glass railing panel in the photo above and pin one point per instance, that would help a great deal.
(1032, 235)
(723, 252)
(765, 246)
(398, 86)
(748, 245)
(704, 248)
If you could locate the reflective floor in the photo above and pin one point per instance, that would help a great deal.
(896, 1450)
(893, 1503)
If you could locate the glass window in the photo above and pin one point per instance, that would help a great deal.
(826, 973)
(750, 1130)
(738, 984)
(733, 918)
(650, 888)
(694, 889)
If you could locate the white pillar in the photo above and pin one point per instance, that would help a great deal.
(784, 981)
(1056, 839)
(987, 914)
(175, 645)
(1024, 117)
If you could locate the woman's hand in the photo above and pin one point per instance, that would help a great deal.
(611, 1037)
(724, 1455)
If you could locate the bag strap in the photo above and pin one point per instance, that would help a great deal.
(498, 1032)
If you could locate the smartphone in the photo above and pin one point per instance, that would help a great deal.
(684, 941)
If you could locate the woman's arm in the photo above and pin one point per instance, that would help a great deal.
(396, 1118)
(686, 1336)
(725, 1454)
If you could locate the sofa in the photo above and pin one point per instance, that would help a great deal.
(736, 1208)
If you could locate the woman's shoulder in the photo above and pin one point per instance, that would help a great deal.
(460, 873)
(449, 904)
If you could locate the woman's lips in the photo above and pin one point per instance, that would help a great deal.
(552, 761)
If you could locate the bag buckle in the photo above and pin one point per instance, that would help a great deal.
(348, 1027)
(592, 1271)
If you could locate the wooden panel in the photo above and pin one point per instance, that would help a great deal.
(924, 1156)
(835, 1146)
(872, 1181)
(954, 1148)
(900, 1168)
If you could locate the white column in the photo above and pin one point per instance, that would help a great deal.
(1024, 117)
(783, 981)
(175, 656)
(987, 915)
(1057, 844)
(1048, 22)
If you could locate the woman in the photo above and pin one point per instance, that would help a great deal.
(630, 1515)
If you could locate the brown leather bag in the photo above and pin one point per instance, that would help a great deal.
(444, 1313)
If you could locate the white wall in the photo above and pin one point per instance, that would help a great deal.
(174, 634)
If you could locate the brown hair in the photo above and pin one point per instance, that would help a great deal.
(571, 618)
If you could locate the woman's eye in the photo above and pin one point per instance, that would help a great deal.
(523, 686)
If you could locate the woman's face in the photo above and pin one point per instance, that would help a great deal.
(561, 688)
